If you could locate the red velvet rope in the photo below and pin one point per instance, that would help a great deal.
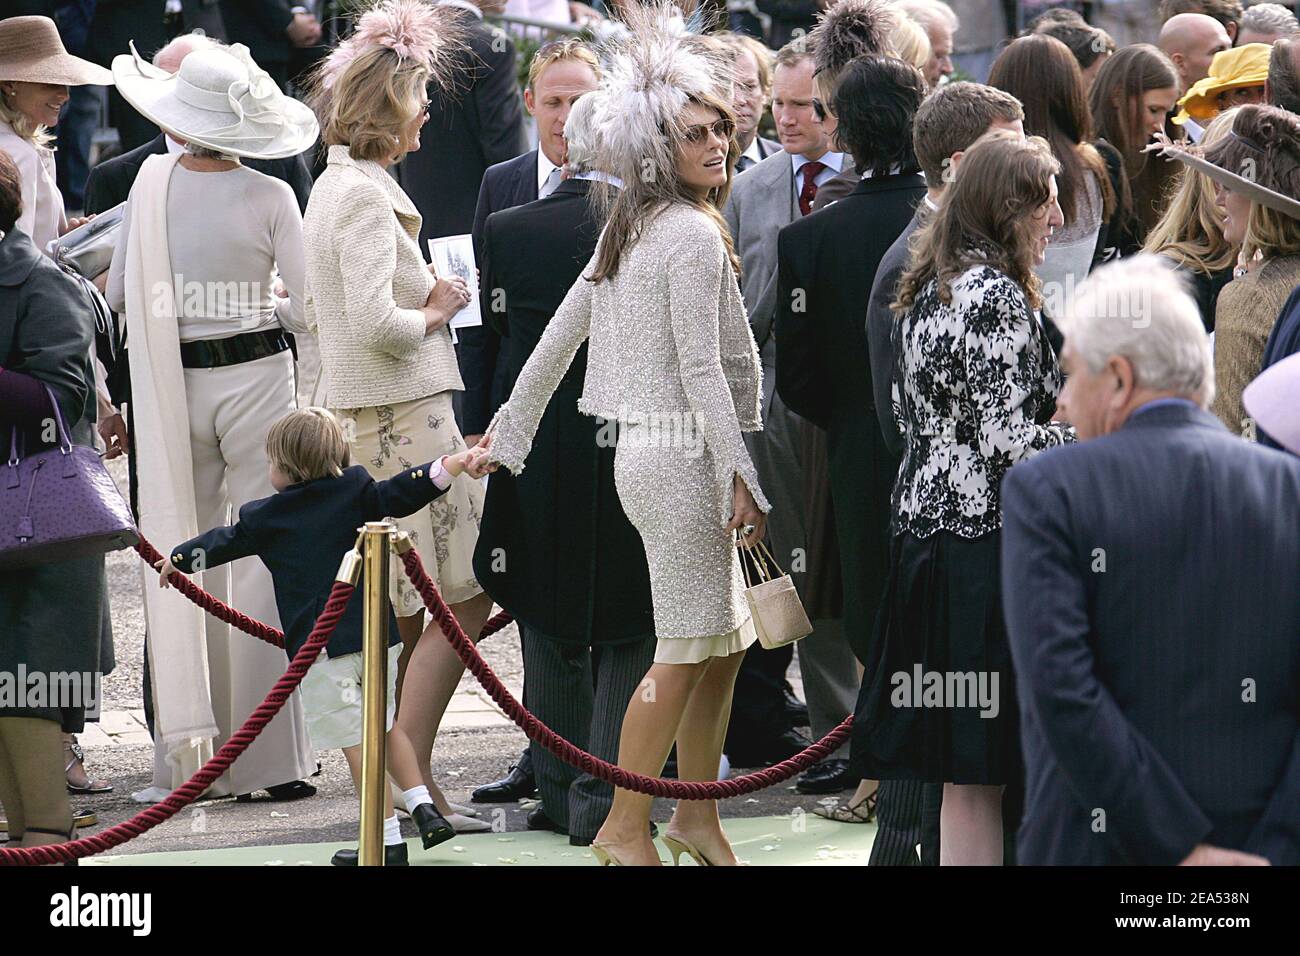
(577, 757)
(240, 621)
(150, 817)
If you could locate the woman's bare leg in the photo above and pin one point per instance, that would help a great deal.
(650, 726)
(431, 676)
(970, 825)
(700, 739)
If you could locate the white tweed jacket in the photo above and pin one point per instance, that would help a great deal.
(365, 284)
(669, 340)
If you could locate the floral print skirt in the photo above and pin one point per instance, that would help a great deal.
(388, 439)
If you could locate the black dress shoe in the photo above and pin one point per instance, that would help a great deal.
(796, 711)
(766, 752)
(281, 792)
(538, 820)
(394, 855)
(517, 784)
(433, 826)
(830, 776)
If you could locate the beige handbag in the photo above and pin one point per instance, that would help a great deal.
(774, 605)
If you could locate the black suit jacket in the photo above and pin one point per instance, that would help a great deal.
(504, 186)
(301, 535)
(575, 568)
(1149, 586)
(110, 182)
(825, 265)
(260, 25)
(479, 127)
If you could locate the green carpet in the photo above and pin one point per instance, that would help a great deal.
(805, 840)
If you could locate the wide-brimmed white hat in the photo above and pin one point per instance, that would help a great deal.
(219, 99)
(1254, 191)
(31, 52)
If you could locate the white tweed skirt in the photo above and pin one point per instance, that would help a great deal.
(669, 493)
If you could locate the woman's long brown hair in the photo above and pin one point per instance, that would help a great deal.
(986, 218)
(1116, 103)
(631, 207)
(1042, 73)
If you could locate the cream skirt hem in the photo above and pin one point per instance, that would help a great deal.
(693, 650)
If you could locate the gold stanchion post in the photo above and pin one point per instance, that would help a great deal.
(377, 539)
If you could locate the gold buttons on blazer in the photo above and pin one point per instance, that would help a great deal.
(419, 473)
(178, 557)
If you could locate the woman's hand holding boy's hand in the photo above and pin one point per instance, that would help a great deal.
(165, 571)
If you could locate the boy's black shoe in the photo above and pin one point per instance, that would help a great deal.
(433, 826)
(394, 855)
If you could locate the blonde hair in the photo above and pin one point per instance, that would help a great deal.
(308, 444)
(1191, 230)
(760, 51)
(910, 42)
(566, 49)
(371, 103)
(34, 133)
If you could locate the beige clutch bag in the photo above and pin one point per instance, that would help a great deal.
(774, 605)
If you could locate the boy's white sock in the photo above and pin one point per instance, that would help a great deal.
(416, 796)
(392, 831)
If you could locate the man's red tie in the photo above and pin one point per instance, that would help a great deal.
(808, 193)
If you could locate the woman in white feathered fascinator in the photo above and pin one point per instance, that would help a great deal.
(660, 81)
(672, 362)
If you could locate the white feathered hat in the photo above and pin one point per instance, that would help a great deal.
(652, 70)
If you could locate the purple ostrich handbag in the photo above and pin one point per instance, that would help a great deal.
(59, 504)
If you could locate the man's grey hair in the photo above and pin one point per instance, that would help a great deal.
(1283, 83)
(927, 12)
(580, 134)
(180, 47)
(1139, 308)
(1269, 19)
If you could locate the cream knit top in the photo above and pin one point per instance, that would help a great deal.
(366, 283)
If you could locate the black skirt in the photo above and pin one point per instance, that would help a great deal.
(938, 701)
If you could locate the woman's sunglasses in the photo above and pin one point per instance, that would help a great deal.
(723, 129)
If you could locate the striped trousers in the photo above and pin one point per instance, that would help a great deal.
(582, 695)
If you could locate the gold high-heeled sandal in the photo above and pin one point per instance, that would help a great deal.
(677, 846)
(604, 854)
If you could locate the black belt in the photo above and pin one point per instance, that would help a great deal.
(216, 353)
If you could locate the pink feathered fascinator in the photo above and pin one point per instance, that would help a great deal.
(417, 31)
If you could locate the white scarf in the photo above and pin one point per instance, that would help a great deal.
(178, 661)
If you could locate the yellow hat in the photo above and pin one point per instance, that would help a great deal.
(1229, 70)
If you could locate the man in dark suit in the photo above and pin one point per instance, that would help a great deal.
(117, 23)
(826, 263)
(751, 87)
(555, 548)
(1149, 588)
(271, 29)
(480, 126)
(559, 73)
(947, 123)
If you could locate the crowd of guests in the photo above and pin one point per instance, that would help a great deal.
(1002, 373)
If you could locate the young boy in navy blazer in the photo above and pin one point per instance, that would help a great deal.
(301, 534)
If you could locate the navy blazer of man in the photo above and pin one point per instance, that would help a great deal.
(1149, 585)
(301, 535)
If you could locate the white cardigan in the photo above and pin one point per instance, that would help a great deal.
(366, 283)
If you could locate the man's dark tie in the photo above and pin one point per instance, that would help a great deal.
(808, 193)
(744, 163)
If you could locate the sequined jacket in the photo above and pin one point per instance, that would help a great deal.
(975, 386)
(668, 337)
